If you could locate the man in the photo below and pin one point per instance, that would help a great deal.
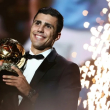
(49, 83)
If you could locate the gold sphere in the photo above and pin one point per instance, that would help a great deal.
(11, 53)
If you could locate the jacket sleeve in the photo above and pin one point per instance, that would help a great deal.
(69, 88)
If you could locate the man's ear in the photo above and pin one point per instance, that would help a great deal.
(58, 37)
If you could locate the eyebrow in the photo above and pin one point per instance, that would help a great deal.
(45, 23)
(49, 25)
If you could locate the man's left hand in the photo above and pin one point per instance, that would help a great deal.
(19, 81)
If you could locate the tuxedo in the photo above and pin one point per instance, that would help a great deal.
(57, 82)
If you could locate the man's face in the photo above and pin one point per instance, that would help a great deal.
(43, 31)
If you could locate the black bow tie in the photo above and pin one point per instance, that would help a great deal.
(38, 57)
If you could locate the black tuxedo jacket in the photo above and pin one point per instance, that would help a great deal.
(57, 82)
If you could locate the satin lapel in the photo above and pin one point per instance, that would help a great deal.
(40, 72)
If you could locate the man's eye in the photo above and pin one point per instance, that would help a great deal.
(48, 26)
(37, 23)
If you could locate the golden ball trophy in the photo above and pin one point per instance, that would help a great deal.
(11, 53)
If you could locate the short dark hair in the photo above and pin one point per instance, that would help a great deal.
(52, 12)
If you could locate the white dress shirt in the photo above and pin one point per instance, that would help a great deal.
(31, 66)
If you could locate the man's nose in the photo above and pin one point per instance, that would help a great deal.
(41, 28)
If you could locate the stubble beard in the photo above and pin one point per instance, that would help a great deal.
(45, 45)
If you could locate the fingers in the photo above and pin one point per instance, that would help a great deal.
(17, 70)
(9, 77)
(9, 80)
(19, 82)
(13, 80)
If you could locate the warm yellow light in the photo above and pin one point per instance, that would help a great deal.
(91, 67)
(87, 63)
(98, 68)
(85, 12)
(74, 54)
(79, 101)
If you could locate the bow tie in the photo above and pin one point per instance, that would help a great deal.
(38, 57)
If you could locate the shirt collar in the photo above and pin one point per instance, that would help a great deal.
(45, 53)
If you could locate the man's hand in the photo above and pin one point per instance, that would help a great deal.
(19, 81)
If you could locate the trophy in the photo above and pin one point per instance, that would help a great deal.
(11, 53)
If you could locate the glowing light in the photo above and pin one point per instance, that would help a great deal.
(86, 24)
(74, 54)
(100, 28)
(104, 10)
(106, 26)
(90, 48)
(91, 67)
(79, 100)
(93, 29)
(85, 46)
(109, 16)
(85, 12)
(85, 103)
(97, 41)
(87, 63)
(109, 4)
(93, 38)
(96, 72)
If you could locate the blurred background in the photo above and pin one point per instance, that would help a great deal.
(85, 40)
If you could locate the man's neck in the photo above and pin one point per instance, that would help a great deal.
(36, 51)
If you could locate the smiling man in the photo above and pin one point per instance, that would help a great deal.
(49, 82)
(43, 32)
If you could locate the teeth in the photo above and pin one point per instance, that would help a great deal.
(38, 36)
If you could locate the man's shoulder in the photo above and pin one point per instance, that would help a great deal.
(59, 59)
(64, 61)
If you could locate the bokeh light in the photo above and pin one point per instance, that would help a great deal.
(74, 54)
(86, 24)
(85, 12)
(95, 73)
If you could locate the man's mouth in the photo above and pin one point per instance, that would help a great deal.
(39, 36)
